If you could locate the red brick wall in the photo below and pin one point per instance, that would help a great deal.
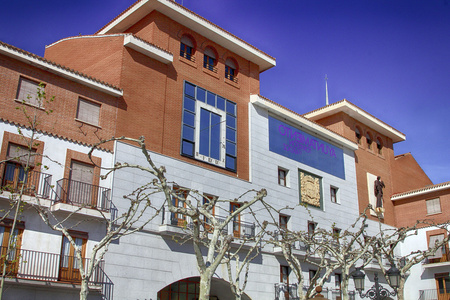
(62, 121)
(414, 208)
(403, 166)
(367, 160)
(153, 92)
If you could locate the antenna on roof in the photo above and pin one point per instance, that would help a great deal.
(326, 89)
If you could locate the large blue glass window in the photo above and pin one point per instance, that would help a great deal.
(209, 127)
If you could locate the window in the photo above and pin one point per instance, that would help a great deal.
(236, 220)
(358, 135)
(283, 220)
(379, 146)
(28, 92)
(209, 59)
(282, 176)
(310, 189)
(88, 112)
(185, 289)
(443, 285)
(284, 278)
(333, 194)
(178, 200)
(312, 273)
(369, 141)
(336, 232)
(311, 227)
(187, 48)
(14, 175)
(209, 128)
(433, 206)
(69, 264)
(80, 190)
(441, 254)
(230, 70)
(13, 256)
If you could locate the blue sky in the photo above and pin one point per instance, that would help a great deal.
(389, 57)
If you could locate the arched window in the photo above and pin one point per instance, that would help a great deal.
(369, 140)
(187, 47)
(379, 146)
(358, 135)
(230, 69)
(209, 59)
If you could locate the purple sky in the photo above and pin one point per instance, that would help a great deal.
(389, 57)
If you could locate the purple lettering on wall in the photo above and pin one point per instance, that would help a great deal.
(298, 143)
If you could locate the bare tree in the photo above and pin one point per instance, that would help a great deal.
(22, 186)
(386, 248)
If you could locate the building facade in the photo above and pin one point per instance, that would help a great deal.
(192, 89)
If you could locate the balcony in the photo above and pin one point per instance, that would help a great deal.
(286, 291)
(440, 259)
(177, 224)
(30, 265)
(431, 294)
(34, 183)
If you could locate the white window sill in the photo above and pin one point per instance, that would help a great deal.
(29, 104)
(84, 122)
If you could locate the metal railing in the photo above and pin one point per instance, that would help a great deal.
(36, 265)
(444, 258)
(83, 194)
(286, 291)
(431, 294)
(35, 183)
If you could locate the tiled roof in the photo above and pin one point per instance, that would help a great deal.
(427, 189)
(191, 12)
(58, 66)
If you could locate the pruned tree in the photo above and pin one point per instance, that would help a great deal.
(24, 157)
(326, 249)
(387, 248)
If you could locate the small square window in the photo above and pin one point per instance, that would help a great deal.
(282, 177)
(336, 232)
(28, 92)
(433, 206)
(88, 112)
(334, 194)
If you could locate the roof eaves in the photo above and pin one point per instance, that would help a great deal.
(421, 191)
(58, 69)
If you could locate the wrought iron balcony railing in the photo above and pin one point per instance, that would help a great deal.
(286, 291)
(42, 266)
(34, 183)
(83, 194)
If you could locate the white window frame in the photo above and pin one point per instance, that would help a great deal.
(218, 162)
(286, 178)
(336, 195)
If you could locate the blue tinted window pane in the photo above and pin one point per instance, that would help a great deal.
(220, 103)
(188, 133)
(231, 135)
(230, 163)
(231, 121)
(189, 89)
(211, 99)
(189, 104)
(201, 94)
(231, 108)
(188, 118)
(187, 148)
(231, 148)
(204, 131)
(215, 136)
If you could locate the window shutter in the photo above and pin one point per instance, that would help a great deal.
(230, 63)
(82, 172)
(433, 240)
(88, 111)
(187, 41)
(28, 91)
(210, 53)
(433, 206)
(20, 154)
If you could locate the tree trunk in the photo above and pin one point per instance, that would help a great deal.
(401, 289)
(205, 285)
(344, 284)
(84, 290)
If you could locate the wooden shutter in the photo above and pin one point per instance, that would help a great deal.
(88, 111)
(28, 91)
